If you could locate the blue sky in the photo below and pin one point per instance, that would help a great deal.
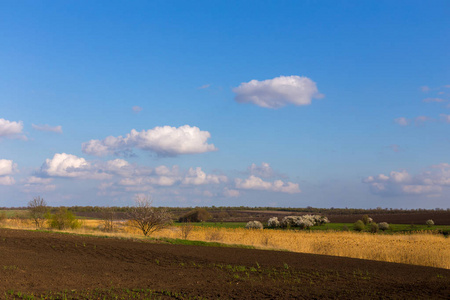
(255, 103)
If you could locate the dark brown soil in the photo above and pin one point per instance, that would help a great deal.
(39, 262)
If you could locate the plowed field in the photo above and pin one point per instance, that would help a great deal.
(46, 263)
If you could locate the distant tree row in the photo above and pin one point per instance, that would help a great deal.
(217, 209)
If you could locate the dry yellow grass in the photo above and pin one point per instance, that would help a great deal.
(425, 249)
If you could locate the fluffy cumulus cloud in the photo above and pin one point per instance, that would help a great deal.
(164, 176)
(256, 183)
(164, 141)
(265, 170)
(7, 180)
(11, 129)
(7, 167)
(45, 127)
(227, 192)
(198, 177)
(431, 181)
(278, 92)
(68, 165)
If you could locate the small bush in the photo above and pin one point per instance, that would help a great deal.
(2, 216)
(345, 228)
(383, 226)
(63, 219)
(429, 223)
(273, 222)
(254, 225)
(359, 225)
(214, 235)
(223, 215)
(196, 215)
(303, 222)
(366, 219)
(374, 227)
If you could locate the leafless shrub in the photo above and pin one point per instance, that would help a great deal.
(107, 216)
(214, 235)
(185, 230)
(38, 210)
(146, 218)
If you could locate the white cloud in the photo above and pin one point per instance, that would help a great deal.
(428, 100)
(163, 170)
(430, 181)
(402, 121)
(65, 165)
(425, 88)
(278, 92)
(395, 148)
(38, 180)
(11, 129)
(35, 184)
(421, 189)
(208, 194)
(117, 164)
(57, 129)
(197, 177)
(165, 141)
(230, 192)
(7, 180)
(265, 170)
(68, 165)
(163, 180)
(136, 109)
(145, 181)
(421, 119)
(7, 167)
(205, 86)
(256, 183)
(445, 118)
(165, 176)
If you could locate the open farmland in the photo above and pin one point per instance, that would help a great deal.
(74, 266)
(425, 246)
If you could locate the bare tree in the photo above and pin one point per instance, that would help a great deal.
(146, 218)
(38, 210)
(108, 216)
(185, 230)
